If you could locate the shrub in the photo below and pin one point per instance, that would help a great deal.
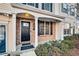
(68, 38)
(64, 47)
(68, 42)
(55, 43)
(76, 36)
(56, 51)
(47, 44)
(41, 50)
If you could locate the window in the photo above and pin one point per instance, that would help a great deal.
(64, 7)
(32, 4)
(77, 17)
(67, 31)
(47, 6)
(67, 28)
(44, 27)
(40, 28)
(24, 3)
(72, 11)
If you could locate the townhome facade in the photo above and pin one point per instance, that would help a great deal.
(77, 19)
(25, 25)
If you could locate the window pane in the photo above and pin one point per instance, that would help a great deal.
(72, 11)
(77, 17)
(47, 6)
(47, 28)
(51, 7)
(40, 28)
(67, 31)
(24, 3)
(64, 8)
(64, 31)
(31, 4)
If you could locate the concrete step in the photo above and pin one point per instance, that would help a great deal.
(28, 53)
(25, 47)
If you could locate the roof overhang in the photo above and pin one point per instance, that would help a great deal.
(19, 8)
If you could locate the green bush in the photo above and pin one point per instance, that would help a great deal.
(55, 43)
(56, 51)
(41, 50)
(68, 38)
(68, 42)
(76, 36)
(64, 47)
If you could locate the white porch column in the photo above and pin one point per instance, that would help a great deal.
(59, 31)
(62, 30)
(14, 31)
(36, 32)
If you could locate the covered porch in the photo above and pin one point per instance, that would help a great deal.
(32, 29)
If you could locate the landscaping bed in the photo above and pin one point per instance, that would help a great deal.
(67, 47)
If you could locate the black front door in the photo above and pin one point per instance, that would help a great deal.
(2, 39)
(25, 31)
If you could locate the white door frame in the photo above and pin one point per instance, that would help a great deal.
(6, 24)
(20, 28)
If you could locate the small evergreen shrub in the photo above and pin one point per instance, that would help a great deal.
(68, 43)
(41, 50)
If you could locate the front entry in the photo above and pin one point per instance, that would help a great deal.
(2, 38)
(25, 31)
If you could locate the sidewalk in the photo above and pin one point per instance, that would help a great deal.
(28, 53)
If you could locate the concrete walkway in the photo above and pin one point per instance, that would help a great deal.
(28, 53)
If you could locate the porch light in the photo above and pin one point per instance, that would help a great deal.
(27, 15)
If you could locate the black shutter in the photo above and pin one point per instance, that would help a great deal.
(51, 7)
(43, 6)
(36, 5)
